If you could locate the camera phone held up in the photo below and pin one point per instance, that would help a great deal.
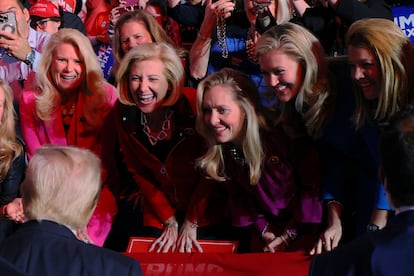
(8, 22)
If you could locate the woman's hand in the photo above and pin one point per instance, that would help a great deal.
(168, 238)
(329, 239)
(220, 7)
(14, 211)
(225, 7)
(273, 243)
(188, 238)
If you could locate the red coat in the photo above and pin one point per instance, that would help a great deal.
(166, 185)
(102, 141)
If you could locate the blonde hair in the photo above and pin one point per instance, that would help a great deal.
(92, 86)
(156, 31)
(245, 94)
(283, 12)
(62, 184)
(395, 58)
(173, 70)
(10, 147)
(302, 46)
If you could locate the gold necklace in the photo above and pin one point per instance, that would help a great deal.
(166, 126)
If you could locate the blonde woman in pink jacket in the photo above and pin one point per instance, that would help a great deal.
(72, 105)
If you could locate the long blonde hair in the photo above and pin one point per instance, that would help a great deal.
(313, 99)
(92, 86)
(394, 53)
(244, 93)
(10, 148)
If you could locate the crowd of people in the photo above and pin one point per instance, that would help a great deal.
(265, 129)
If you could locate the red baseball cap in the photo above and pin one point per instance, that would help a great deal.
(44, 9)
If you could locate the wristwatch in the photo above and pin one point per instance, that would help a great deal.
(373, 227)
(30, 58)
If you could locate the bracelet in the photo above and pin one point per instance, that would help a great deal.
(291, 233)
(284, 240)
(194, 224)
(202, 37)
(172, 224)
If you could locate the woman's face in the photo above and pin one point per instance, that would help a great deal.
(365, 71)
(148, 84)
(2, 102)
(282, 73)
(133, 34)
(223, 115)
(67, 70)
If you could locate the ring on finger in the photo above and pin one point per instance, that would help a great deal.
(161, 243)
(188, 246)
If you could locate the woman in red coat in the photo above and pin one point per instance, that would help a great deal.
(156, 128)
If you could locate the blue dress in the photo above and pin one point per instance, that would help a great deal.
(351, 162)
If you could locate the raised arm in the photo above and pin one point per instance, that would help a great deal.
(200, 51)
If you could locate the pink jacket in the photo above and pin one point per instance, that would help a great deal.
(101, 141)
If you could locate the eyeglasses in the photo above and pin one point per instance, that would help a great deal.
(42, 23)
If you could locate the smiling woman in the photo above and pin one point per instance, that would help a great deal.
(272, 199)
(156, 128)
(381, 69)
(71, 106)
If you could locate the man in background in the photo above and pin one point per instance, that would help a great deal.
(20, 47)
(45, 17)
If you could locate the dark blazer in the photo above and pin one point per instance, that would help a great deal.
(47, 248)
(8, 269)
(387, 252)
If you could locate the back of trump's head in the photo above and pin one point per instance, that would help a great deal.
(62, 184)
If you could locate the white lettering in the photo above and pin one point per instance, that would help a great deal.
(409, 32)
(405, 22)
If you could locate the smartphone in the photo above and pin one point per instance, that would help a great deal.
(8, 22)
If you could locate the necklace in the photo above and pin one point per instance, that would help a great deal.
(221, 33)
(67, 114)
(237, 156)
(166, 126)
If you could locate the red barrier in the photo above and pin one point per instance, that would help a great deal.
(221, 264)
